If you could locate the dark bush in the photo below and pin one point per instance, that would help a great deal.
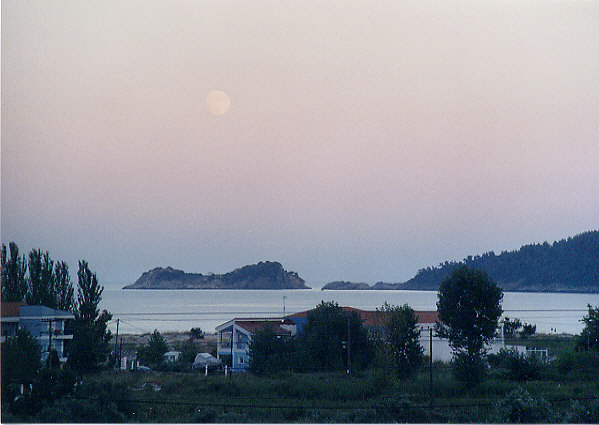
(399, 409)
(205, 415)
(107, 393)
(521, 367)
(469, 368)
(582, 413)
(520, 407)
(579, 363)
(80, 411)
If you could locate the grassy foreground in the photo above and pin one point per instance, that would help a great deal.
(566, 390)
(557, 395)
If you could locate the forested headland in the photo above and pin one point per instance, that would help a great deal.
(568, 265)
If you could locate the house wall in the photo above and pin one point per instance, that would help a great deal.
(241, 342)
(441, 348)
(31, 319)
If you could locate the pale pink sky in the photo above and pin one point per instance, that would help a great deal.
(365, 139)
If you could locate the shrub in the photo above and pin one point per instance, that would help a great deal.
(520, 407)
(520, 367)
(205, 415)
(589, 337)
(399, 409)
(580, 413)
(107, 393)
(196, 333)
(80, 411)
(469, 368)
(579, 362)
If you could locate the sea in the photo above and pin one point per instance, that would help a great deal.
(141, 311)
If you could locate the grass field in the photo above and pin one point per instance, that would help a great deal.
(564, 390)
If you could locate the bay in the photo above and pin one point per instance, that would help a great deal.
(141, 311)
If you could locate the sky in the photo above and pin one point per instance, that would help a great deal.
(364, 140)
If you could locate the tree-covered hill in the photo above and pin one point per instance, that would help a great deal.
(568, 265)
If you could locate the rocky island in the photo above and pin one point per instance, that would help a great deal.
(264, 275)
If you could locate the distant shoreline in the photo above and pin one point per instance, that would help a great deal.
(435, 290)
(349, 290)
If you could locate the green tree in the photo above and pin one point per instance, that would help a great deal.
(510, 327)
(589, 337)
(325, 336)
(528, 330)
(14, 267)
(90, 334)
(151, 354)
(469, 305)
(189, 350)
(20, 362)
(268, 352)
(41, 289)
(401, 335)
(64, 296)
(196, 333)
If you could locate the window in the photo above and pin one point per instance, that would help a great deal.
(240, 360)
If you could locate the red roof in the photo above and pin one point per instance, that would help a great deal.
(11, 309)
(427, 316)
(254, 325)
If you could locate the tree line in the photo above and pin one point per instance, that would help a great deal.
(39, 280)
(469, 307)
(568, 264)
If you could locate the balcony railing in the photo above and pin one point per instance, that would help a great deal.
(237, 346)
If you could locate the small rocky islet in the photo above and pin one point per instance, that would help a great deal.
(263, 275)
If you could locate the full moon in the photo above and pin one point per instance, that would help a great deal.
(218, 102)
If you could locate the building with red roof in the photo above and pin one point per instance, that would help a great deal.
(235, 335)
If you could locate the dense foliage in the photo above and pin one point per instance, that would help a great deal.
(14, 268)
(151, 354)
(20, 362)
(469, 305)
(398, 339)
(589, 338)
(570, 264)
(90, 334)
(270, 354)
(47, 283)
(325, 335)
(331, 339)
(369, 396)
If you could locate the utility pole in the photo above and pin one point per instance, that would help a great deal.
(348, 348)
(49, 333)
(430, 365)
(284, 306)
(121, 353)
(116, 341)
(232, 338)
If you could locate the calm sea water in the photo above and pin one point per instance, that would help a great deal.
(180, 310)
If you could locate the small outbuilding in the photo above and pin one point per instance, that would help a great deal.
(171, 356)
